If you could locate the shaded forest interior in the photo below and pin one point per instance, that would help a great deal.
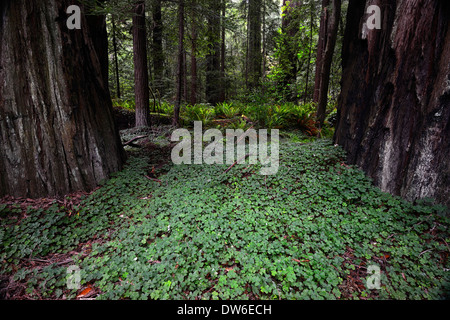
(244, 51)
(89, 102)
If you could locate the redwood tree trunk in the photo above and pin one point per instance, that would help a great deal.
(194, 77)
(213, 83)
(99, 36)
(223, 53)
(57, 132)
(254, 44)
(157, 48)
(393, 113)
(326, 59)
(141, 89)
(311, 25)
(116, 61)
(321, 48)
(180, 66)
(289, 49)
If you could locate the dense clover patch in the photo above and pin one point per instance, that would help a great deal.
(309, 232)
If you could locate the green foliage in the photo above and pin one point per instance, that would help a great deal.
(243, 115)
(202, 234)
(292, 77)
(199, 112)
(165, 108)
(226, 110)
(125, 104)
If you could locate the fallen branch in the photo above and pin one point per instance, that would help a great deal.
(153, 179)
(134, 139)
(237, 161)
(243, 136)
(299, 261)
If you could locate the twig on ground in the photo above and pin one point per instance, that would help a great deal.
(153, 179)
(237, 161)
(134, 139)
(299, 261)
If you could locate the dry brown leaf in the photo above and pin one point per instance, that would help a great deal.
(84, 293)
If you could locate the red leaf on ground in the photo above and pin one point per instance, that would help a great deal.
(84, 292)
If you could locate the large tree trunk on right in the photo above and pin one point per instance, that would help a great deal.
(394, 108)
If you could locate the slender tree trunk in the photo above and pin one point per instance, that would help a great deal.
(289, 49)
(222, 54)
(180, 67)
(213, 82)
(116, 60)
(254, 53)
(185, 84)
(327, 59)
(157, 48)
(247, 45)
(141, 89)
(194, 77)
(305, 95)
(264, 45)
(57, 131)
(393, 111)
(321, 48)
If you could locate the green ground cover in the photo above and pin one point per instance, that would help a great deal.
(194, 232)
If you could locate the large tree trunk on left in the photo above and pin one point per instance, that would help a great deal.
(99, 36)
(57, 132)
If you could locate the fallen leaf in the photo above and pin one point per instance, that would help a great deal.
(84, 292)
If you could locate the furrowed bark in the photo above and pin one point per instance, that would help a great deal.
(57, 132)
(141, 89)
(393, 113)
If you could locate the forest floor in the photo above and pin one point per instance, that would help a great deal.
(318, 229)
